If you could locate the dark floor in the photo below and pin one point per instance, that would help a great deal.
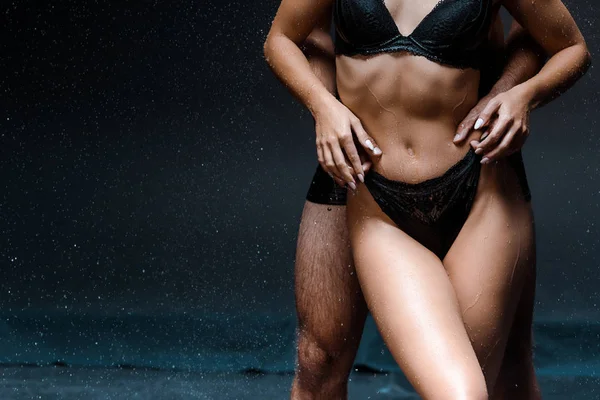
(47, 383)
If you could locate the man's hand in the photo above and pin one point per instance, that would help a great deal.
(336, 126)
(468, 123)
(505, 125)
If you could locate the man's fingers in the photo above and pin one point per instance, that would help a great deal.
(465, 126)
(367, 166)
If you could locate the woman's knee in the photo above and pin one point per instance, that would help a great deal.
(468, 388)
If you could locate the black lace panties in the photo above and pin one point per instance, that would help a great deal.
(433, 211)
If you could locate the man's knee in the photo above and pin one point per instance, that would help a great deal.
(322, 364)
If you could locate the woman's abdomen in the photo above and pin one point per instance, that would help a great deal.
(411, 107)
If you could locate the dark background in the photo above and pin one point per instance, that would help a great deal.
(152, 176)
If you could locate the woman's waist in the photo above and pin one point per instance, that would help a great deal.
(412, 117)
(417, 151)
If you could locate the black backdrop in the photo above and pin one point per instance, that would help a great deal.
(153, 173)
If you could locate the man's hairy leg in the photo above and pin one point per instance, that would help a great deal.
(329, 303)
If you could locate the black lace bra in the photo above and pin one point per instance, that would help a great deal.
(454, 33)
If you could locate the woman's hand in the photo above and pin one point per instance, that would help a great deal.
(505, 124)
(337, 152)
(468, 123)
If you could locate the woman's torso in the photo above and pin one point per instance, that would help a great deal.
(410, 98)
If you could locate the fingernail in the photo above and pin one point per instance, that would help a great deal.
(352, 185)
(377, 151)
(457, 137)
(361, 178)
(485, 160)
(484, 135)
(479, 151)
(369, 144)
(474, 143)
(478, 123)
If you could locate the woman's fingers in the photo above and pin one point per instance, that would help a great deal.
(321, 156)
(512, 141)
(485, 116)
(353, 157)
(366, 166)
(468, 123)
(328, 163)
(495, 135)
(339, 155)
(365, 140)
(341, 165)
(339, 181)
(504, 148)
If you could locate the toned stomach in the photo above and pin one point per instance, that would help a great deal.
(411, 106)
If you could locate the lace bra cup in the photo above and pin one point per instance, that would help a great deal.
(454, 32)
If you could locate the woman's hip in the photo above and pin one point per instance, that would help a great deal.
(434, 211)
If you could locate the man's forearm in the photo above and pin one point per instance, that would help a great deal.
(318, 49)
(524, 59)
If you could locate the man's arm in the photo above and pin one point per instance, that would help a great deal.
(318, 48)
(525, 58)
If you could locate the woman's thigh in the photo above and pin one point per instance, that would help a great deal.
(489, 262)
(414, 305)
